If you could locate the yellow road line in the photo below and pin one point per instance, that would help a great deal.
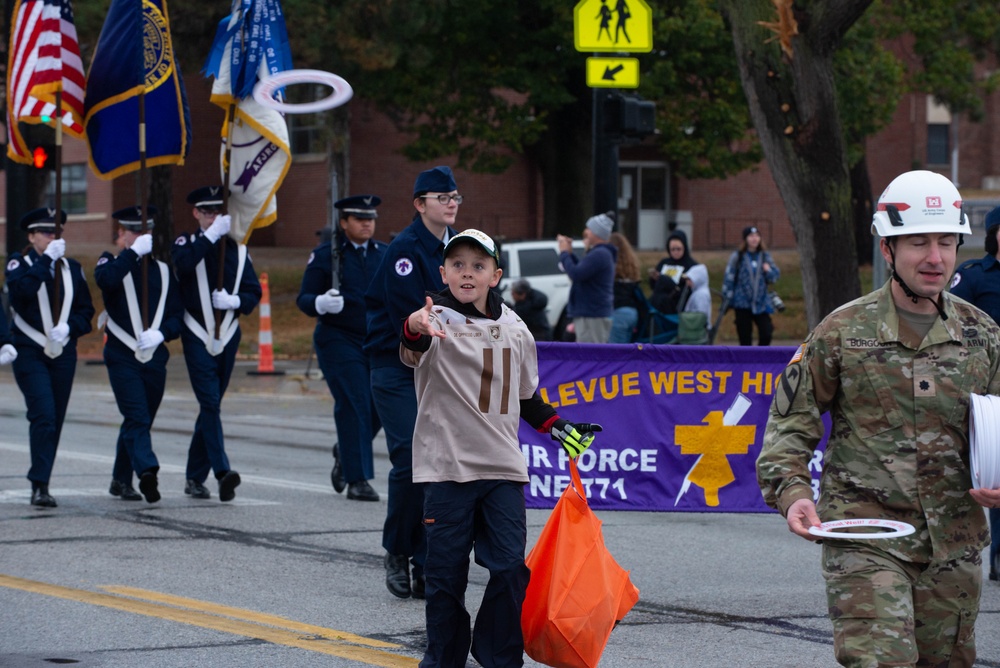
(331, 642)
(248, 615)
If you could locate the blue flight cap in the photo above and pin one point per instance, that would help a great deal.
(206, 197)
(131, 217)
(436, 180)
(42, 220)
(992, 218)
(359, 206)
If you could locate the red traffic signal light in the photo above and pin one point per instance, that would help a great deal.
(39, 157)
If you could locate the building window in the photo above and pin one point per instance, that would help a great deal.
(938, 150)
(654, 188)
(306, 132)
(74, 188)
(938, 133)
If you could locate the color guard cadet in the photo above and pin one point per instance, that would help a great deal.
(210, 359)
(339, 306)
(135, 354)
(409, 269)
(8, 353)
(46, 342)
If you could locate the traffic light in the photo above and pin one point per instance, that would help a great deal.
(44, 157)
(630, 116)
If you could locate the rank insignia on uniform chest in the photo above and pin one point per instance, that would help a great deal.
(923, 386)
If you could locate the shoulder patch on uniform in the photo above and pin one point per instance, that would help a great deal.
(799, 352)
(181, 240)
(13, 264)
(404, 266)
(956, 279)
(789, 383)
(312, 256)
(103, 260)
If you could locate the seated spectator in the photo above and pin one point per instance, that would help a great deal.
(529, 304)
(665, 279)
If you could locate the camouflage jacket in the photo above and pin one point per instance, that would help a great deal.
(899, 445)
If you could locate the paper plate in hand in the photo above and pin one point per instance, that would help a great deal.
(844, 529)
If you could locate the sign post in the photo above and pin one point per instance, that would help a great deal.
(610, 26)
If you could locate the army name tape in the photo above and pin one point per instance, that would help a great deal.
(832, 529)
(984, 441)
(265, 89)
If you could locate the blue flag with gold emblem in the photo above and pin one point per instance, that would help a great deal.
(134, 54)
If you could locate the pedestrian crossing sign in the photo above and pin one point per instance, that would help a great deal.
(612, 26)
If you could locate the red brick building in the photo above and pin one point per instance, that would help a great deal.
(510, 205)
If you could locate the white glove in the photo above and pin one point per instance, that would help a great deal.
(60, 333)
(8, 353)
(56, 249)
(218, 229)
(150, 338)
(224, 301)
(143, 244)
(330, 302)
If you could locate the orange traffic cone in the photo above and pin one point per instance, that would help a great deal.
(265, 359)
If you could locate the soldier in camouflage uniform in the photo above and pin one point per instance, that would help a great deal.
(895, 369)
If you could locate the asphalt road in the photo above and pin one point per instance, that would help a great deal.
(290, 574)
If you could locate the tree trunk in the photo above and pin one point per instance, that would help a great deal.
(793, 104)
(861, 202)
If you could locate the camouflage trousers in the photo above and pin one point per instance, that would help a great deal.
(889, 612)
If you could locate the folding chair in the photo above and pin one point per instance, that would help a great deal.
(654, 326)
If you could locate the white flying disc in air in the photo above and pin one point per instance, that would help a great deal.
(265, 89)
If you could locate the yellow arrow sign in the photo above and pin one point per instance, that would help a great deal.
(613, 72)
(612, 25)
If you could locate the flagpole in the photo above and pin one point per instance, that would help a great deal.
(143, 200)
(57, 274)
(221, 277)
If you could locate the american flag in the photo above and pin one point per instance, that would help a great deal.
(44, 57)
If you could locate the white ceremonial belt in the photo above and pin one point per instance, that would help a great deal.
(227, 334)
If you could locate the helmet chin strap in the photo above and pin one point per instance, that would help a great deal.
(914, 297)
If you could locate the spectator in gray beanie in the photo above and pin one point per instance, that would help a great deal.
(591, 297)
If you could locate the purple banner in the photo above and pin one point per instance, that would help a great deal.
(683, 425)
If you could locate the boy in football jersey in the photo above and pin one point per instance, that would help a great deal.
(476, 373)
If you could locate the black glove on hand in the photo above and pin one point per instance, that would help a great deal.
(574, 437)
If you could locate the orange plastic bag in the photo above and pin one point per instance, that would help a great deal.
(577, 592)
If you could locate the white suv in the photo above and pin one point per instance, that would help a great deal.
(538, 263)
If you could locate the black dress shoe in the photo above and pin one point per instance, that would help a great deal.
(149, 486)
(417, 588)
(196, 490)
(124, 490)
(337, 474)
(361, 491)
(994, 576)
(227, 486)
(397, 575)
(40, 497)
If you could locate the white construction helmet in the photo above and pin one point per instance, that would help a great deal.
(920, 202)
